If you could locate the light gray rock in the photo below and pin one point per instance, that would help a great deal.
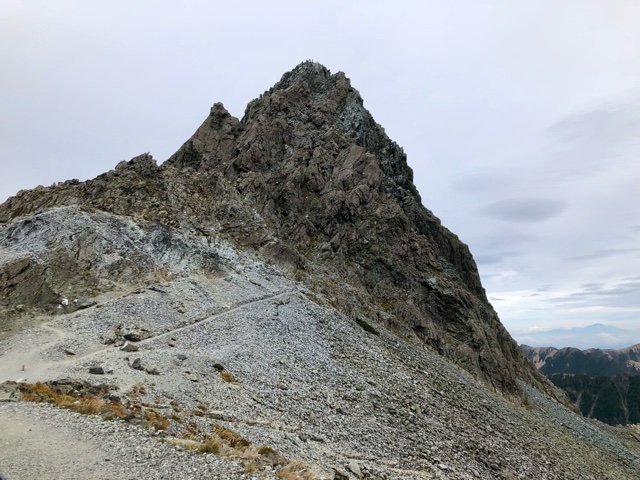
(135, 363)
(130, 347)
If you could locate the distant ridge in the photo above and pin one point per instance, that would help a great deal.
(603, 384)
(591, 336)
(592, 362)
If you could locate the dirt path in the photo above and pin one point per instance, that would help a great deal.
(53, 451)
(29, 364)
(41, 441)
(209, 317)
(21, 362)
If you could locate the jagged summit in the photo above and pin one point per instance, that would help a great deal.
(310, 181)
(307, 71)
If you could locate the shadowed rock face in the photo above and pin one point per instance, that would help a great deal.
(311, 182)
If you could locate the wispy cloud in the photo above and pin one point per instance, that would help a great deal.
(624, 294)
(608, 252)
(524, 210)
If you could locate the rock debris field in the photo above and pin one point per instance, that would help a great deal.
(306, 381)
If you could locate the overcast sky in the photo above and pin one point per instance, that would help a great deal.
(521, 120)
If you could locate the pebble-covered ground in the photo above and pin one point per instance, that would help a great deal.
(304, 380)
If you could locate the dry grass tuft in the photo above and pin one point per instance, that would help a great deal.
(41, 392)
(227, 377)
(89, 405)
(139, 388)
(219, 441)
(85, 404)
(156, 420)
(176, 418)
(230, 437)
(295, 470)
(264, 450)
(211, 445)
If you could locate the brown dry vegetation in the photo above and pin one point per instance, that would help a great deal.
(227, 377)
(219, 440)
(85, 404)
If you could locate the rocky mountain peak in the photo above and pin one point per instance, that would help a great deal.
(338, 201)
(309, 180)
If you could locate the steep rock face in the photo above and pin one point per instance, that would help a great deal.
(310, 181)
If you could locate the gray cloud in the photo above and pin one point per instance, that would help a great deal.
(525, 210)
(487, 259)
(592, 141)
(606, 253)
(607, 125)
(482, 183)
(623, 294)
(494, 258)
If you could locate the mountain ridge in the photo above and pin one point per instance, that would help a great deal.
(309, 180)
(591, 362)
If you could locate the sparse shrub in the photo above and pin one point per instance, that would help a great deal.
(227, 377)
(211, 445)
(295, 471)
(366, 326)
(137, 390)
(159, 423)
(230, 437)
(264, 450)
(88, 405)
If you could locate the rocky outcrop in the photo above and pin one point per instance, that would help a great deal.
(313, 184)
(63, 257)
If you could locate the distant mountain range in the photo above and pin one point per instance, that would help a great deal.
(592, 363)
(603, 384)
(592, 336)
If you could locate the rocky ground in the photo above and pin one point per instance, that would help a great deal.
(304, 380)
